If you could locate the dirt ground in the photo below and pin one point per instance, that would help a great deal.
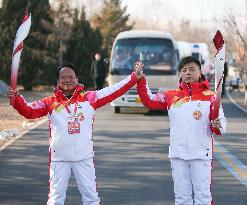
(9, 118)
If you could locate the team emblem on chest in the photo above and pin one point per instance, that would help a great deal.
(80, 116)
(197, 115)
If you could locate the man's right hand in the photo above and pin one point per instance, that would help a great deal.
(12, 93)
(138, 69)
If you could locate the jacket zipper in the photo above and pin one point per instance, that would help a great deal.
(188, 116)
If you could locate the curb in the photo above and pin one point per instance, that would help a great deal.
(234, 102)
(22, 133)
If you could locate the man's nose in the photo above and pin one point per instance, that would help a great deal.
(187, 72)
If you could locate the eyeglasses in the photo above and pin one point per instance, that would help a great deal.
(67, 78)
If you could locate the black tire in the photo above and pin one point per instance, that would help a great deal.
(116, 109)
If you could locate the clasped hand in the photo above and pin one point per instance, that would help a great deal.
(139, 69)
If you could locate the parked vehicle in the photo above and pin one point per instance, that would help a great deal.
(156, 49)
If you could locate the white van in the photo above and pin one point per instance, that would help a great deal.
(157, 52)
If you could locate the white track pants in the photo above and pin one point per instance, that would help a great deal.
(84, 172)
(192, 173)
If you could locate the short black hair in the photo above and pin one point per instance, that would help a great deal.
(187, 60)
(66, 64)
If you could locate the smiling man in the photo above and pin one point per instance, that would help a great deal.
(71, 115)
(191, 139)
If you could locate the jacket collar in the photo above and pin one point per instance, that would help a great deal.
(192, 88)
(59, 93)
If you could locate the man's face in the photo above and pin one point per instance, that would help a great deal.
(67, 79)
(190, 73)
(97, 56)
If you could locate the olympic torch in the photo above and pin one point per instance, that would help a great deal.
(219, 73)
(21, 34)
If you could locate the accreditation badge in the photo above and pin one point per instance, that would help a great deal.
(197, 115)
(73, 125)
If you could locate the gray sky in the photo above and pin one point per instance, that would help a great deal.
(193, 10)
(203, 11)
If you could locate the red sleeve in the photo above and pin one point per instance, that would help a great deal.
(106, 95)
(32, 110)
(154, 102)
(222, 118)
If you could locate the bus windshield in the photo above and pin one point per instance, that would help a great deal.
(158, 56)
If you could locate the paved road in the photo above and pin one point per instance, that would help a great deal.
(132, 166)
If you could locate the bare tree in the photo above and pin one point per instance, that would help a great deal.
(238, 37)
(139, 24)
(154, 16)
(92, 7)
(231, 24)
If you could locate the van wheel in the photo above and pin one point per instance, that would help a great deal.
(116, 109)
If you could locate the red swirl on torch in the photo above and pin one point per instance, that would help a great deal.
(21, 34)
(219, 74)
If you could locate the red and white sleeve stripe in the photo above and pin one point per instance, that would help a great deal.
(32, 110)
(106, 95)
(155, 102)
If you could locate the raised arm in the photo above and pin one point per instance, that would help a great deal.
(106, 95)
(154, 102)
(32, 110)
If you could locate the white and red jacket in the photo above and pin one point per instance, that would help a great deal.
(189, 113)
(65, 146)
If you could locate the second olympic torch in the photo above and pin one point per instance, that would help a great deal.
(219, 73)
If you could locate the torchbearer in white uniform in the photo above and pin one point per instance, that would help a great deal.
(195, 113)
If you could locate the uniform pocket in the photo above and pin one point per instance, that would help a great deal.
(176, 138)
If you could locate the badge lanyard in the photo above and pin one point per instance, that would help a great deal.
(73, 122)
(75, 109)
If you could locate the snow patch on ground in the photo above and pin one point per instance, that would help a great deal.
(4, 134)
(8, 134)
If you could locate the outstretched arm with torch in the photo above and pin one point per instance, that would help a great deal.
(21, 34)
(218, 123)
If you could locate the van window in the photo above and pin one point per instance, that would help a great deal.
(158, 56)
